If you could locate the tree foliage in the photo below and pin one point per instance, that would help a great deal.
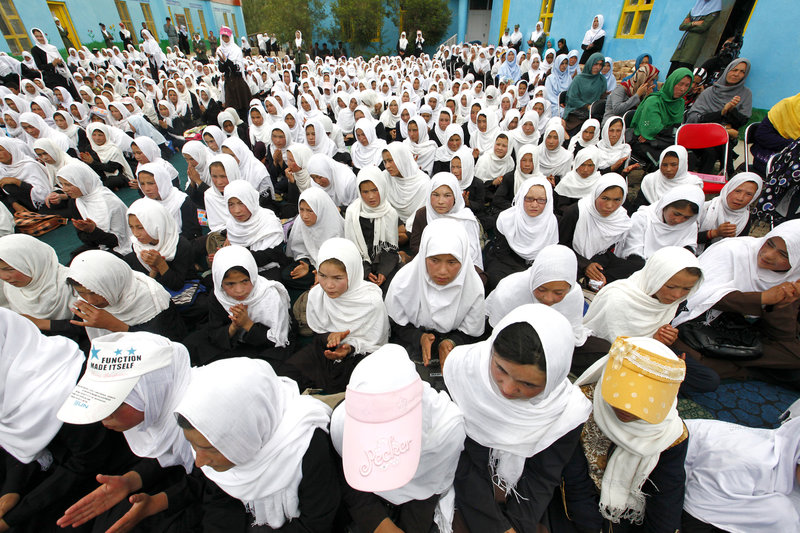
(431, 16)
(283, 18)
(359, 22)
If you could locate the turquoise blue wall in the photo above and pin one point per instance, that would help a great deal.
(773, 28)
(35, 13)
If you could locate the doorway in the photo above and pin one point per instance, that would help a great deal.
(479, 18)
(59, 11)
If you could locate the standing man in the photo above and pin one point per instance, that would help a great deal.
(213, 43)
(172, 34)
(106, 36)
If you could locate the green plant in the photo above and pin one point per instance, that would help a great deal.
(359, 22)
(431, 16)
(283, 18)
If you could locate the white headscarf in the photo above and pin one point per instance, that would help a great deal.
(47, 296)
(649, 232)
(489, 166)
(638, 444)
(611, 153)
(407, 192)
(626, 307)
(108, 151)
(577, 139)
(423, 151)
(595, 233)
(203, 155)
(156, 394)
(360, 309)
(342, 187)
(592, 34)
(557, 161)
(370, 154)
(322, 143)
(520, 138)
(172, 198)
(98, 203)
(414, 298)
(554, 263)
(133, 297)
(458, 212)
(24, 168)
(387, 369)
(655, 185)
(732, 265)
(716, 211)
(250, 168)
(268, 302)
(262, 230)
(269, 438)
(515, 430)
(384, 217)
(45, 130)
(160, 225)
(741, 479)
(484, 140)
(302, 155)
(60, 157)
(527, 235)
(572, 185)
(305, 241)
(216, 205)
(519, 176)
(38, 374)
(153, 154)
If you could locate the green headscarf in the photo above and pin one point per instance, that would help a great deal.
(586, 88)
(661, 109)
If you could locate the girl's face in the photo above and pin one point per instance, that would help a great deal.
(443, 199)
(588, 134)
(138, 155)
(123, 418)
(237, 285)
(30, 130)
(147, 184)
(38, 110)
(442, 268)
(228, 126)
(741, 195)
(218, 177)
(513, 124)
(674, 215)
(669, 166)
(332, 278)
(405, 115)
(473, 113)
(116, 114)
(238, 210)
(322, 181)
(191, 161)
(370, 194)
(173, 97)
(454, 142)
(535, 201)
(44, 157)
(138, 231)
(773, 255)
(13, 276)
(389, 164)
(551, 141)
(528, 128)
(307, 215)
(358, 115)
(682, 87)
(278, 138)
(455, 168)
(516, 381)
(393, 107)
(676, 288)
(696, 83)
(614, 132)
(210, 142)
(597, 67)
(413, 132)
(526, 164)
(552, 292)
(270, 107)
(606, 68)
(68, 188)
(505, 104)
(586, 169)
(609, 201)
(539, 108)
(305, 105)
(501, 147)
(482, 123)
(256, 118)
(311, 136)
(290, 121)
(362, 139)
(99, 137)
(164, 111)
(444, 121)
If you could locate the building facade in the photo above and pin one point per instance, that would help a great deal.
(81, 18)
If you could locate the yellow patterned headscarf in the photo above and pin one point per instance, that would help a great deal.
(785, 116)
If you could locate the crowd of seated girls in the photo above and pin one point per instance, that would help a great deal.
(420, 230)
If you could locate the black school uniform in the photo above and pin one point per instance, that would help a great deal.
(181, 268)
(541, 475)
(383, 259)
(500, 260)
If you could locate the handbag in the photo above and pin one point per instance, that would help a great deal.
(730, 337)
(35, 224)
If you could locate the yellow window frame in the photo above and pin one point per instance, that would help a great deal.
(235, 27)
(125, 16)
(188, 14)
(203, 23)
(636, 8)
(17, 37)
(148, 18)
(546, 14)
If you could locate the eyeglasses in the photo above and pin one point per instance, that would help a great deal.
(540, 201)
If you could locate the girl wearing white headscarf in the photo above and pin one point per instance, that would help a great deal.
(46, 296)
(433, 311)
(297, 174)
(198, 158)
(112, 165)
(483, 139)
(322, 144)
(149, 152)
(613, 154)
(740, 478)
(277, 459)
(632, 447)
(254, 324)
(23, 181)
(336, 179)
(584, 138)
(159, 250)
(408, 184)
(41, 130)
(656, 184)
(522, 424)
(727, 215)
(423, 149)
(372, 227)
(318, 221)
(154, 182)
(672, 221)
(135, 300)
(386, 370)
(438, 205)
(522, 230)
(251, 169)
(495, 162)
(554, 159)
(349, 322)
(53, 157)
(527, 167)
(366, 151)
(593, 39)
(581, 180)
(223, 169)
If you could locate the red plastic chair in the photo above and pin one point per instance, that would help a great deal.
(698, 136)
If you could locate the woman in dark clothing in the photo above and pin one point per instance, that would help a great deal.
(248, 315)
(49, 62)
(237, 93)
(155, 184)
(779, 200)
(523, 419)
(628, 474)
(777, 131)
(586, 88)
(593, 40)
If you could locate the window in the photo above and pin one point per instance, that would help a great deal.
(12, 28)
(189, 22)
(125, 16)
(203, 23)
(148, 17)
(546, 14)
(235, 26)
(634, 18)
